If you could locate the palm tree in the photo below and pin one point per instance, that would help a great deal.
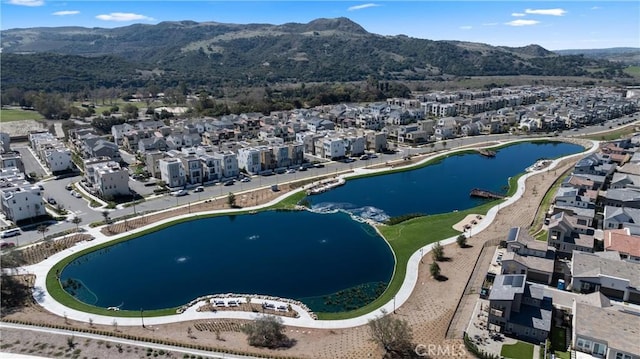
(42, 229)
(77, 220)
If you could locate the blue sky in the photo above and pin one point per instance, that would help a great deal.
(552, 24)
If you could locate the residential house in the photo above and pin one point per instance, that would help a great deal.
(193, 168)
(607, 331)
(151, 161)
(152, 144)
(331, 148)
(568, 234)
(623, 242)
(376, 141)
(621, 217)
(607, 273)
(519, 308)
(249, 160)
(5, 141)
(56, 155)
(621, 197)
(528, 256)
(228, 164)
(11, 159)
(108, 179)
(19, 199)
(172, 172)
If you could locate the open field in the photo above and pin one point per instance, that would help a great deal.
(8, 115)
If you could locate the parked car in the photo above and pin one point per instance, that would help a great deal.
(10, 233)
(68, 187)
(51, 200)
(179, 193)
(230, 182)
(245, 179)
(76, 194)
(291, 170)
(6, 245)
(199, 189)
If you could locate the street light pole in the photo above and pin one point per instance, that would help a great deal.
(142, 317)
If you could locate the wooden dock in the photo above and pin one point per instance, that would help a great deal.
(487, 153)
(480, 193)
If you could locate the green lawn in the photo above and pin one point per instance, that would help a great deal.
(614, 134)
(633, 71)
(558, 343)
(519, 350)
(7, 115)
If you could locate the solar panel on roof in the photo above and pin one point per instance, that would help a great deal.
(518, 281)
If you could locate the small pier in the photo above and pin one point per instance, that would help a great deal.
(325, 185)
(481, 193)
(487, 153)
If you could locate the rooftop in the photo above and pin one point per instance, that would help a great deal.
(596, 265)
(618, 326)
(506, 286)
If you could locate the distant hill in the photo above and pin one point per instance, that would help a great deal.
(211, 54)
(627, 55)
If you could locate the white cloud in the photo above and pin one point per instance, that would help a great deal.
(122, 16)
(27, 2)
(522, 22)
(363, 6)
(66, 12)
(466, 27)
(518, 14)
(552, 12)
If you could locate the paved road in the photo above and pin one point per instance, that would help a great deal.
(31, 164)
(79, 207)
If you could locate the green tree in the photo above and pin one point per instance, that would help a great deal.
(434, 269)
(77, 220)
(231, 200)
(42, 229)
(462, 241)
(105, 215)
(267, 331)
(437, 252)
(393, 334)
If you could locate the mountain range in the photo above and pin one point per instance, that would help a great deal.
(214, 54)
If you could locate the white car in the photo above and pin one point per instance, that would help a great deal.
(245, 179)
(76, 194)
(179, 193)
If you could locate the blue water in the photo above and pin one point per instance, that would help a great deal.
(329, 261)
(437, 188)
(286, 254)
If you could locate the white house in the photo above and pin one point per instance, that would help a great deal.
(172, 172)
(18, 198)
(249, 160)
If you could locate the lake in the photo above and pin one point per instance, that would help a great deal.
(326, 260)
